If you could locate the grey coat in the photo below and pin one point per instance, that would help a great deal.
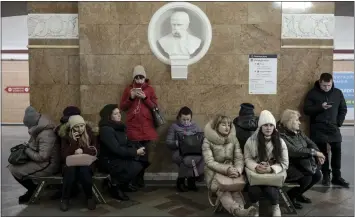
(43, 152)
(184, 164)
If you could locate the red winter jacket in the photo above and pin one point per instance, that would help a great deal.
(139, 121)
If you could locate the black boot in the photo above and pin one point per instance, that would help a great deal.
(340, 181)
(129, 188)
(191, 184)
(180, 185)
(30, 186)
(140, 179)
(117, 193)
(64, 205)
(296, 204)
(326, 180)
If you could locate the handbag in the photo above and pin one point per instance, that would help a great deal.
(190, 144)
(269, 179)
(80, 160)
(158, 118)
(18, 155)
(226, 183)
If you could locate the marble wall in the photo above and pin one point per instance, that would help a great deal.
(113, 39)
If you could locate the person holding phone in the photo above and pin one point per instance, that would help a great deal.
(326, 107)
(119, 157)
(138, 101)
(266, 153)
(305, 157)
(78, 139)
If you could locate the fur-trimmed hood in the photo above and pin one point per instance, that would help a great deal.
(64, 129)
(212, 135)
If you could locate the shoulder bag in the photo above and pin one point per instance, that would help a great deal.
(81, 159)
(158, 118)
(18, 155)
(190, 144)
(269, 179)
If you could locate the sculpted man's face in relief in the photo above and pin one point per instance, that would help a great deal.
(179, 24)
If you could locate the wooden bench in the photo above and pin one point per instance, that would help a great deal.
(43, 182)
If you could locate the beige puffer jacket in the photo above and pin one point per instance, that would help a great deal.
(219, 154)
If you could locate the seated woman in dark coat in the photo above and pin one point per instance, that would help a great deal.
(77, 138)
(304, 155)
(118, 156)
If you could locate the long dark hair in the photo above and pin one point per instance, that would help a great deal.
(275, 139)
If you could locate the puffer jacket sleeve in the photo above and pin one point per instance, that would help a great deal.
(170, 138)
(47, 140)
(277, 168)
(209, 159)
(310, 143)
(249, 150)
(107, 139)
(296, 150)
(238, 157)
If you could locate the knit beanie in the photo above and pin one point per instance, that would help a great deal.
(75, 120)
(69, 111)
(266, 118)
(139, 70)
(246, 109)
(31, 117)
(106, 111)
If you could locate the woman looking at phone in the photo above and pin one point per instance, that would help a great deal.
(137, 101)
(77, 139)
(118, 156)
(266, 153)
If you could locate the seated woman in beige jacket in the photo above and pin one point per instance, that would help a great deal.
(266, 152)
(223, 155)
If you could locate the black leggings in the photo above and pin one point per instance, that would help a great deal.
(306, 182)
(71, 174)
(270, 192)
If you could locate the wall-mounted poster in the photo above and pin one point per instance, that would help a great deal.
(262, 74)
(345, 82)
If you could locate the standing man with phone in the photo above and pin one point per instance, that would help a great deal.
(326, 107)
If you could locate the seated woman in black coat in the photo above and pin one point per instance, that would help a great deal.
(118, 156)
(305, 157)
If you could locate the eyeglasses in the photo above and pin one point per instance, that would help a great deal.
(139, 77)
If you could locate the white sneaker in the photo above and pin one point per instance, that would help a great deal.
(276, 210)
(256, 207)
(240, 211)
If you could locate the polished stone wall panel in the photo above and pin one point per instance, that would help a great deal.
(113, 39)
(51, 99)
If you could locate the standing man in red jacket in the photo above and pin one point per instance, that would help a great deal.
(137, 101)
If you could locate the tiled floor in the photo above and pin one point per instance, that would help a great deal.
(164, 201)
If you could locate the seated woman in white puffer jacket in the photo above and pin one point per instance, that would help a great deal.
(265, 152)
(223, 155)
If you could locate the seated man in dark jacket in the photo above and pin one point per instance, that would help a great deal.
(305, 157)
(245, 124)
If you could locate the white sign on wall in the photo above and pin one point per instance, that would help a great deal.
(262, 74)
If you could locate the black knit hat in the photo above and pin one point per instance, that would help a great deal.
(246, 109)
(106, 111)
(69, 111)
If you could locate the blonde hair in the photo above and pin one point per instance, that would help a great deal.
(84, 139)
(218, 119)
(288, 117)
